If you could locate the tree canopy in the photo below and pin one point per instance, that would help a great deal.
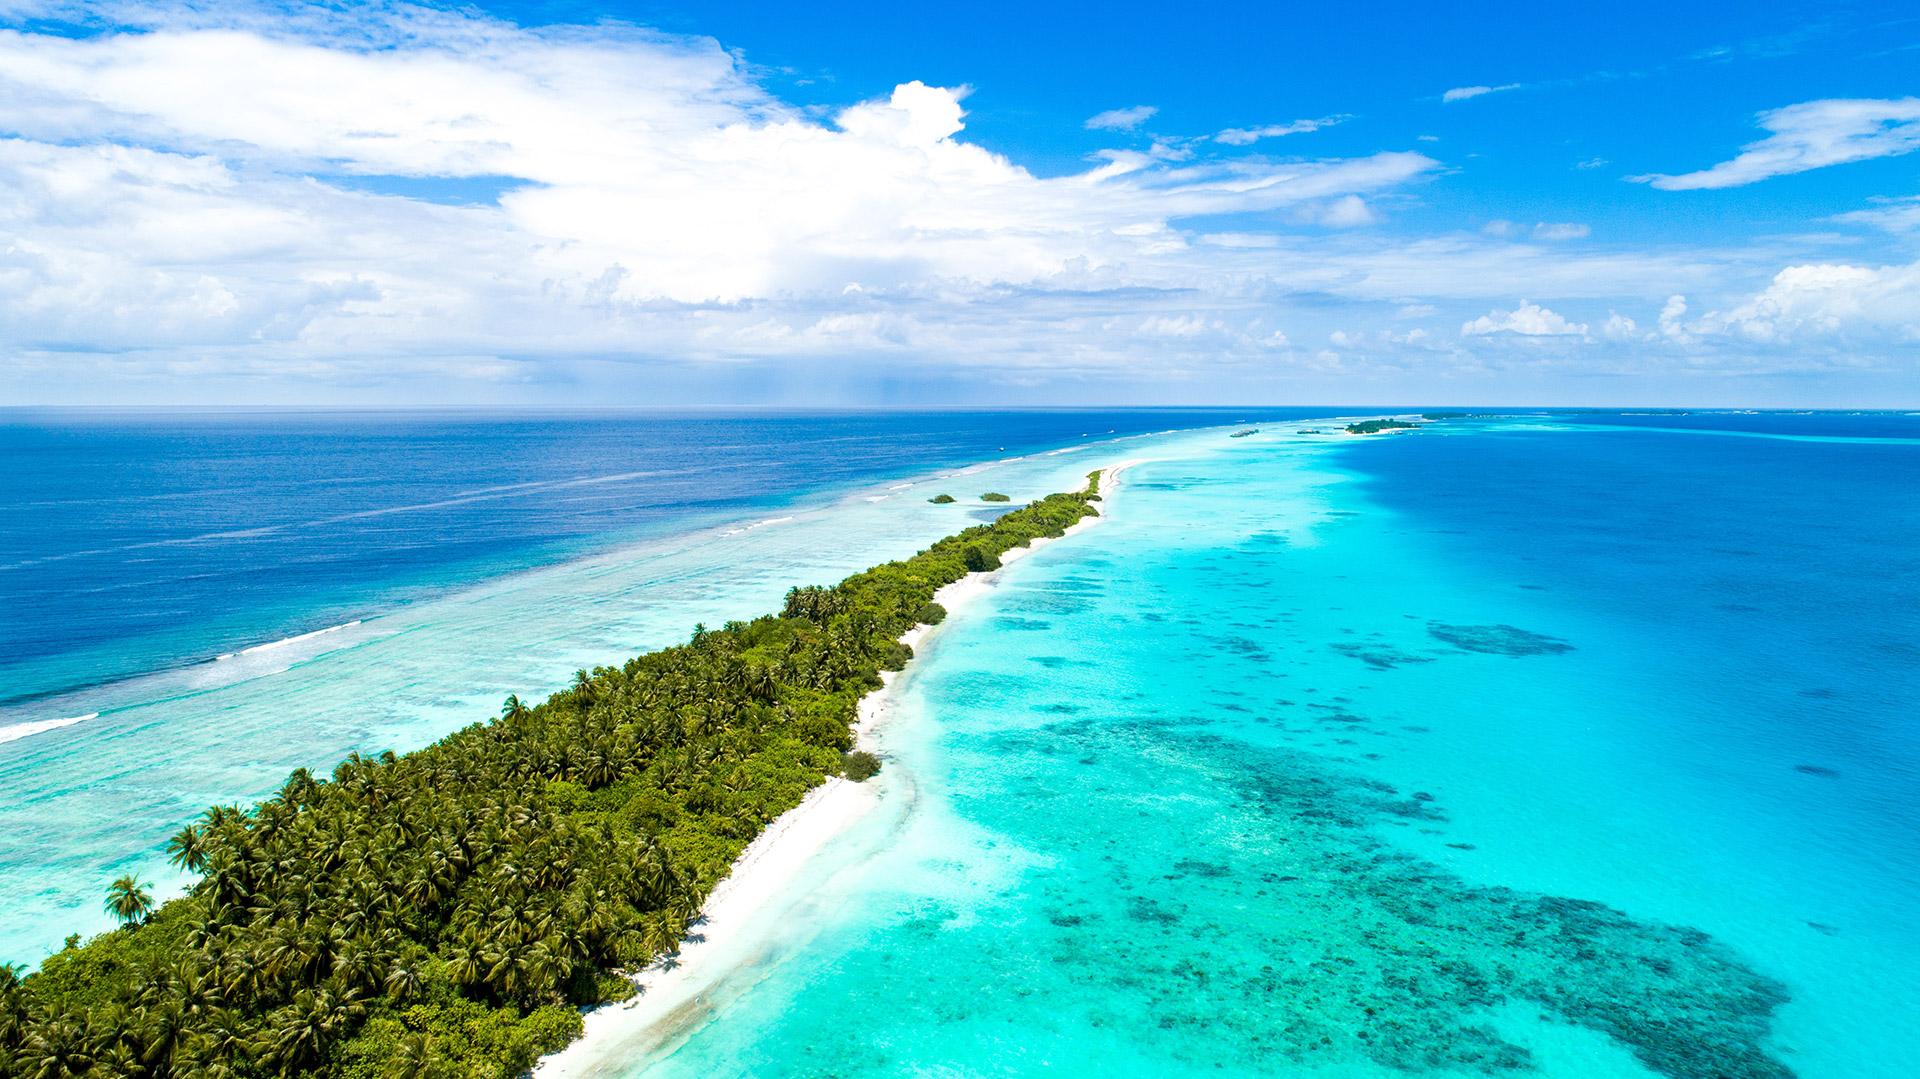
(445, 912)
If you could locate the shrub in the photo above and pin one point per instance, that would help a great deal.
(940, 500)
(978, 559)
(859, 766)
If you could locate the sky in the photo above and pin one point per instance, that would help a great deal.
(883, 204)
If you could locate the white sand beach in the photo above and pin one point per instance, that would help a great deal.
(671, 993)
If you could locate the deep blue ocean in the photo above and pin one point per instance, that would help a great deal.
(139, 541)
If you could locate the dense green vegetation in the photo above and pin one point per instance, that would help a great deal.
(860, 766)
(1374, 427)
(444, 913)
(994, 496)
(941, 500)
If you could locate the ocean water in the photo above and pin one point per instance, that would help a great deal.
(196, 604)
(1576, 745)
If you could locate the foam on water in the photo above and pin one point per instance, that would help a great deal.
(33, 727)
(287, 642)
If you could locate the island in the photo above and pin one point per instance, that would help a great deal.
(449, 911)
(1244, 432)
(994, 496)
(1374, 427)
(941, 500)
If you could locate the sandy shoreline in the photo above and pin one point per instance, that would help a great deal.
(670, 996)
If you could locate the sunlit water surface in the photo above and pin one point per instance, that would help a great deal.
(1582, 746)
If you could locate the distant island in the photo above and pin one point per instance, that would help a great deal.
(1244, 432)
(941, 500)
(1374, 427)
(449, 911)
(994, 496)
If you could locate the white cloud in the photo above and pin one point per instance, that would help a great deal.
(1121, 119)
(641, 171)
(1346, 212)
(1548, 230)
(1828, 301)
(190, 208)
(1247, 136)
(1811, 135)
(1467, 93)
(1671, 314)
(1527, 320)
(1619, 327)
(1893, 215)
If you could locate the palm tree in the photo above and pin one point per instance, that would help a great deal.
(188, 849)
(129, 900)
(404, 980)
(413, 1057)
(514, 708)
(297, 1035)
(60, 1046)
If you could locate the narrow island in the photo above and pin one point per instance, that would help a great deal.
(1244, 432)
(447, 912)
(1374, 427)
(994, 496)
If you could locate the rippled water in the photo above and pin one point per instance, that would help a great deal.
(1582, 746)
(197, 605)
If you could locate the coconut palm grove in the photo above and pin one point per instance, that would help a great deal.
(445, 912)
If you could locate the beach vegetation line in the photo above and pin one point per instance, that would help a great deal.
(448, 912)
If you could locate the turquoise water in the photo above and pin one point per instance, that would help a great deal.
(96, 779)
(1584, 749)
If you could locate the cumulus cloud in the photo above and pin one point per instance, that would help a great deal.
(1828, 302)
(1467, 93)
(1247, 136)
(1121, 119)
(217, 188)
(1526, 320)
(1811, 135)
(356, 199)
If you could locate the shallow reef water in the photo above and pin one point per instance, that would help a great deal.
(1272, 775)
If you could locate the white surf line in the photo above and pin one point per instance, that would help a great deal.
(41, 726)
(764, 874)
(272, 646)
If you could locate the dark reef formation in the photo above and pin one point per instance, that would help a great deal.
(1498, 640)
(1343, 946)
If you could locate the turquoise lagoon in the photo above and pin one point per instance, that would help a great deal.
(110, 771)
(1580, 747)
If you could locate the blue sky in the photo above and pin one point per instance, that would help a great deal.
(564, 203)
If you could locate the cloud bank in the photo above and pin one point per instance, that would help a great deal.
(427, 205)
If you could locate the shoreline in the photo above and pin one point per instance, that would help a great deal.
(670, 991)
